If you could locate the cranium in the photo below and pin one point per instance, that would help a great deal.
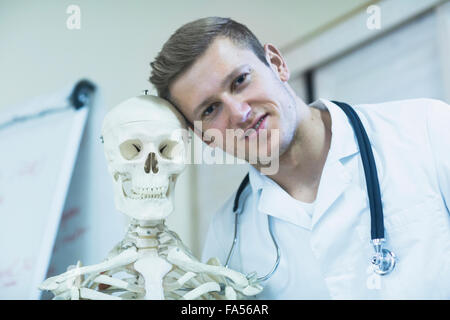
(145, 149)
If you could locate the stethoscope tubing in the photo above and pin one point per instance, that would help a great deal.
(370, 172)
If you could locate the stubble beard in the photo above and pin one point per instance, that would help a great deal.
(289, 133)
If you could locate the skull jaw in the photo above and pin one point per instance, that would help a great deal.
(144, 209)
(149, 209)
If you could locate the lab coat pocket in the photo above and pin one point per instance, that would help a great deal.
(420, 237)
(416, 214)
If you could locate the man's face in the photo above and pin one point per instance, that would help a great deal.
(228, 87)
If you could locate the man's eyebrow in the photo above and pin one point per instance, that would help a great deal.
(233, 74)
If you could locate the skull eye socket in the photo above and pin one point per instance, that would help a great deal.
(170, 149)
(130, 149)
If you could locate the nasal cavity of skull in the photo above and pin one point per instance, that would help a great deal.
(151, 164)
(130, 149)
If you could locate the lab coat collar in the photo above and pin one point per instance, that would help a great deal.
(343, 139)
(335, 177)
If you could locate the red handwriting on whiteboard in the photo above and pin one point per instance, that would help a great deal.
(74, 236)
(29, 169)
(69, 238)
(8, 272)
(11, 274)
(10, 284)
(68, 214)
(27, 264)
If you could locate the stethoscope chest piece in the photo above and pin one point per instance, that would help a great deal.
(383, 261)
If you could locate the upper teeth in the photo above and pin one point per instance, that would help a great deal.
(258, 123)
(144, 195)
(139, 193)
(256, 126)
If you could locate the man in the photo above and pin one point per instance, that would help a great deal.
(216, 73)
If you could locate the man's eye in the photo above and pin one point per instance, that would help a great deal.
(240, 80)
(209, 110)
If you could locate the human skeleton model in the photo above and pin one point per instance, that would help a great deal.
(145, 149)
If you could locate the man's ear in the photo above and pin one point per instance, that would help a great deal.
(276, 62)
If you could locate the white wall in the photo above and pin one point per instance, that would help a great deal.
(405, 61)
(114, 47)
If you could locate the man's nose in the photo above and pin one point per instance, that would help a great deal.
(239, 111)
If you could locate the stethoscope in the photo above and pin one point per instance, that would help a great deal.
(383, 260)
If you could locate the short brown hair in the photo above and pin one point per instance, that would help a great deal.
(190, 41)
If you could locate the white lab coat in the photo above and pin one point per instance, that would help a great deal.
(328, 255)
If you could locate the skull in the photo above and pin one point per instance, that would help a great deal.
(145, 149)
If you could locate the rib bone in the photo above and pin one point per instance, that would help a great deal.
(178, 257)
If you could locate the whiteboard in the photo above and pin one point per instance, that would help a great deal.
(36, 164)
(90, 225)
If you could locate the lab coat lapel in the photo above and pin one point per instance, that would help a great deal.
(334, 181)
(335, 176)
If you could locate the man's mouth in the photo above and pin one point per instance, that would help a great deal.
(258, 124)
